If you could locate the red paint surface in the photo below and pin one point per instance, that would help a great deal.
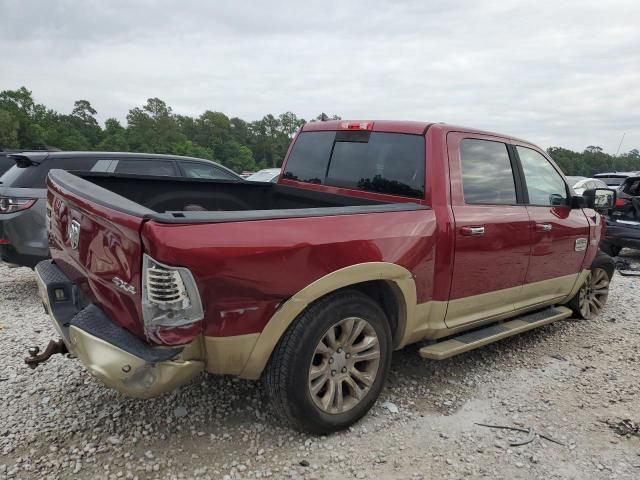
(244, 270)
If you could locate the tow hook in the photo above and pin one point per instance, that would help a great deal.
(35, 358)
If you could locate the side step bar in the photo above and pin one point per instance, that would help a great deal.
(493, 333)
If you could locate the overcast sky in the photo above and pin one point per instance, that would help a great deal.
(558, 73)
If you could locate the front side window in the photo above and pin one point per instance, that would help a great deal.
(544, 184)
(156, 168)
(390, 163)
(487, 176)
(202, 170)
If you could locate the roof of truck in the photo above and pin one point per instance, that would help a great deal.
(400, 126)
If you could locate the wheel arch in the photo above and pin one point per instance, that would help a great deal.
(376, 279)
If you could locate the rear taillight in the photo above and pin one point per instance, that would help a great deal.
(12, 204)
(621, 202)
(171, 305)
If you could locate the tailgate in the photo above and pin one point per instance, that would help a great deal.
(98, 248)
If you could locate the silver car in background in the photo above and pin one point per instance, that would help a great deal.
(23, 191)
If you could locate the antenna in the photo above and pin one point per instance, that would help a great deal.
(620, 145)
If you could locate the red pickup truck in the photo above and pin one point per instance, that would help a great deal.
(377, 235)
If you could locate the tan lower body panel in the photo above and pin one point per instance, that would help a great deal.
(467, 313)
(228, 355)
(464, 343)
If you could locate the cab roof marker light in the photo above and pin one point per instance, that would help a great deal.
(356, 125)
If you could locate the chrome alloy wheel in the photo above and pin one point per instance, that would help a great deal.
(593, 294)
(344, 365)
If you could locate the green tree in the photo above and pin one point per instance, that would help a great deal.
(114, 137)
(8, 130)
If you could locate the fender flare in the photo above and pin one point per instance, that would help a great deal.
(400, 278)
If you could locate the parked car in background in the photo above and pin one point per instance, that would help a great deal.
(377, 235)
(623, 223)
(266, 175)
(23, 236)
(580, 184)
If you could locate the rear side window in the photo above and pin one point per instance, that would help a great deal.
(544, 184)
(202, 170)
(35, 176)
(391, 163)
(157, 168)
(487, 175)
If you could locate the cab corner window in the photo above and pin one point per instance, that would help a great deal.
(545, 186)
(487, 176)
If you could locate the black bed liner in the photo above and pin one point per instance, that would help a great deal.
(95, 187)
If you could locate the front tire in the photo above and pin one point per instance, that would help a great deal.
(592, 296)
(330, 366)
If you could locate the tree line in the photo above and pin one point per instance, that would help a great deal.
(231, 141)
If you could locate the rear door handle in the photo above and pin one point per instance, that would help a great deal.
(470, 231)
(543, 227)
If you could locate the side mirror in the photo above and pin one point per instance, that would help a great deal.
(600, 198)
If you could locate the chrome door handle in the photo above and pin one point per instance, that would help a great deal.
(469, 231)
(543, 227)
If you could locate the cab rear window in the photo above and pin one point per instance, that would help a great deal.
(391, 163)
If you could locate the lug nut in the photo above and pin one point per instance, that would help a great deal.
(339, 350)
(344, 369)
(331, 360)
(126, 368)
(348, 355)
(333, 373)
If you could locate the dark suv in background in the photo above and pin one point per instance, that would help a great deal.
(623, 223)
(23, 191)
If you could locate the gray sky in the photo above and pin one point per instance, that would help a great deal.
(558, 73)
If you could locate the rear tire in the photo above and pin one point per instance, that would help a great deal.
(592, 296)
(330, 366)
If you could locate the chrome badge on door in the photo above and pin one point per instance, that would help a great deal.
(74, 234)
(581, 244)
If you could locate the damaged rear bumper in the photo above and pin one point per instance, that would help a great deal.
(112, 354)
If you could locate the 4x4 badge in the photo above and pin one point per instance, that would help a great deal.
(122, 285)
(74, 234)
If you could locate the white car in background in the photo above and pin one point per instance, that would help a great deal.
(580, 184)
(266, 175)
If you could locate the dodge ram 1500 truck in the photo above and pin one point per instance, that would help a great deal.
(377, 235)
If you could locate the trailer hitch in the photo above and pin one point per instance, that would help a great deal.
(35, 358)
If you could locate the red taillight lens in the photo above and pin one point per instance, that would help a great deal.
(11, 204)
(621, 202)
(356, 125)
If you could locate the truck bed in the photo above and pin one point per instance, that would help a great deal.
(180, 200)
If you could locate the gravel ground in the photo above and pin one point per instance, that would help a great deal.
(571, 381)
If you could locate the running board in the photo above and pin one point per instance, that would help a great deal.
(493, 333)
